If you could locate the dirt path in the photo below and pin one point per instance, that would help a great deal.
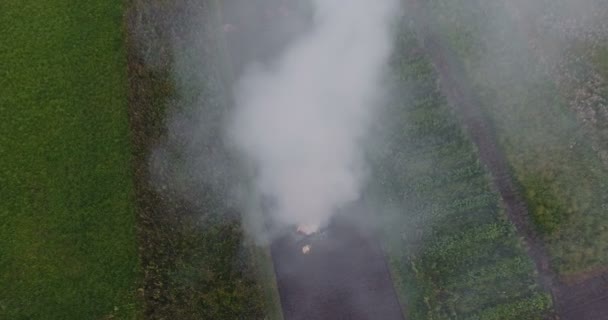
(587, 299)
(344, 276)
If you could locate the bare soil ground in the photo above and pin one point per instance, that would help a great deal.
(344, 276)
(586, 299)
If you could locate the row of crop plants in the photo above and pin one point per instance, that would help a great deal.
(550, 152)
(452, 253)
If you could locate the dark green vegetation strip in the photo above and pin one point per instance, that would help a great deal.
(67, 234)
(197, 262)
(452, 252)
(551, 153)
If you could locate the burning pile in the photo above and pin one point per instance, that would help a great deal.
(307, 230)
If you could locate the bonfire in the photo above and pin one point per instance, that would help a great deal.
(307, 230)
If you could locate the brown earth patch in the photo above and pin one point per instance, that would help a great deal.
(344, 276)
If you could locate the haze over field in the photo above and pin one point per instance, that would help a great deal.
(301, 119)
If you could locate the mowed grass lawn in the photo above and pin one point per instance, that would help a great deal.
(67, 234)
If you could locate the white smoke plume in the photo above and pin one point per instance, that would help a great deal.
(301, 119)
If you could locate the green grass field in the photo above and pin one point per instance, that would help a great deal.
(452, 252)
(67, 234)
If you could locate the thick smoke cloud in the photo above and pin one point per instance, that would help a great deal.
(300, 120)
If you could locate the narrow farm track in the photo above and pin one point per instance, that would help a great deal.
(344, 276)
(585, 299)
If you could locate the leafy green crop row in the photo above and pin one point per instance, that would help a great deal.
(451, 250)
(562, 178)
